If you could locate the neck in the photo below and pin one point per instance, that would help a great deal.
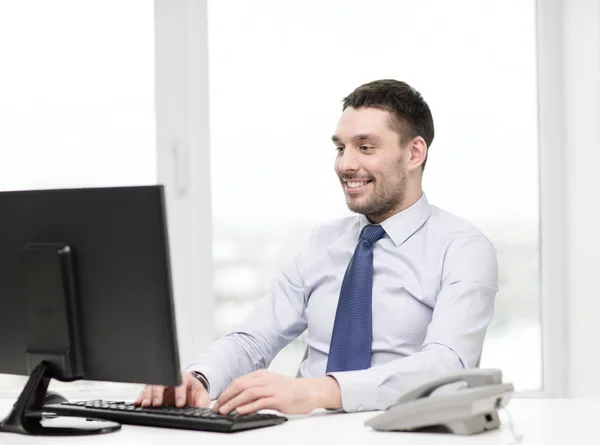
(412, 195)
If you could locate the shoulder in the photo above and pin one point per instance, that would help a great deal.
(324, 236)
(332, 230)
(327, 233)
(467, 249)
(339, 224)
(454, 230)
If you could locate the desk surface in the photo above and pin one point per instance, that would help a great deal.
(539, 421)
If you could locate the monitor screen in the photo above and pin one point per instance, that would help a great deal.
(87, 271)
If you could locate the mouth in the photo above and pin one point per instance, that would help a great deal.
(355, 186)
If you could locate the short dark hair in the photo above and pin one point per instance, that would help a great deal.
(411, 114)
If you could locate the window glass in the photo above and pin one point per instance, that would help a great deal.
(77, 89)
(278, 73)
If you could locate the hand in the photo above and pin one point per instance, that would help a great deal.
(190, 392)
(265, 390)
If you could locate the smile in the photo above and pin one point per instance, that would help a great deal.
(356, 186)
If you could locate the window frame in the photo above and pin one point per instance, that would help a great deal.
(553, 195)
(183, 163)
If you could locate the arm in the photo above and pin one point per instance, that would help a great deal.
(275, 321)
(463, 310)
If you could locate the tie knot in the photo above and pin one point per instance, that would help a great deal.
(372, 233)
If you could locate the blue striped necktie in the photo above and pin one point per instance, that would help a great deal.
(350, 347)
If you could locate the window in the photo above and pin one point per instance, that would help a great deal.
(278, 73)
(77, 90)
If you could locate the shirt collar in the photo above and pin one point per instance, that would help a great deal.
(402, 225)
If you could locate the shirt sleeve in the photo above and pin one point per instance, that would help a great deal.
(274, 322)
(463, 310)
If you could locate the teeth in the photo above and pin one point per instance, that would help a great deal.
(353, 185)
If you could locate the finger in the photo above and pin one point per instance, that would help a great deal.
(140, 397)
(191, 395)
(256, 405)
(198, 397)
(169, 396)
(203, 400)
(192, 386)
(181, 393)
(256, 378)
(245, 397)
(234, 388)
(157, 395)
(147, 396)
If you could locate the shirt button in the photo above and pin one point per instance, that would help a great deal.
(359, 408)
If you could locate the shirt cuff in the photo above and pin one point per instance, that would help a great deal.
(359, 389)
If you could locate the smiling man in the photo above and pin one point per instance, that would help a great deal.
(401, 290)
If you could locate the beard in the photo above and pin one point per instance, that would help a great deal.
(387, 194)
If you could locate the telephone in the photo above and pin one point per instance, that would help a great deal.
(463, 403)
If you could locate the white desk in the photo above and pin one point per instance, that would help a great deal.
(540, 421)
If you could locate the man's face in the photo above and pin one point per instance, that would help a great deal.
(370, 162)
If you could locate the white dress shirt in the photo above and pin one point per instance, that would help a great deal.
(435, 278)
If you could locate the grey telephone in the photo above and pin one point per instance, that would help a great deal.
(464, 403)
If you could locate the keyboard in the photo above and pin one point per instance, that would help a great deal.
(203, 419)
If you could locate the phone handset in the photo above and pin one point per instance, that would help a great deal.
(473, 378)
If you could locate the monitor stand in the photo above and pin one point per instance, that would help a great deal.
(28, 415)
(54, 342)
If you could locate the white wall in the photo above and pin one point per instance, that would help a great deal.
(569, 114)
(581, 25)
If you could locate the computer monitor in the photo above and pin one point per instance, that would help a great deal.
(85, 292)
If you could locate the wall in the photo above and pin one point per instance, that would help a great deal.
(581, 25)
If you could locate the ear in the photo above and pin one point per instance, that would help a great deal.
(417, 152)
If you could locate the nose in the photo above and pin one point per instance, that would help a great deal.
(348, 161)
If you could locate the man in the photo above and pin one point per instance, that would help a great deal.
(399, 291)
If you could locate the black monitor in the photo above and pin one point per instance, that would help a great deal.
(85, 292)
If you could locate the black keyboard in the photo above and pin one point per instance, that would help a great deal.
(203, 419)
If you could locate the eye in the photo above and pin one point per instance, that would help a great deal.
(365, 147)
(339, 149)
